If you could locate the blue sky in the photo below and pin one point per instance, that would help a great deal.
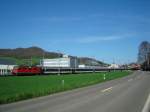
(102, 29)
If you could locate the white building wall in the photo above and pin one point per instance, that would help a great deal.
(6, 69)
(114, 66)
(59, 62)
(82, 66)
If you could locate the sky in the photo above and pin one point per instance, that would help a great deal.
(108, 30)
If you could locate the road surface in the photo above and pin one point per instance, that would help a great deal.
(128, 94)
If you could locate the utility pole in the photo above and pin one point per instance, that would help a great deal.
(59, 62)
(75, 59)
(92, 63)
(103, 61)
(31, 61)
(43, 56)
(113, 64)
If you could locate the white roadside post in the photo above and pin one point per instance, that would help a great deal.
(63, 82)
(104, 77)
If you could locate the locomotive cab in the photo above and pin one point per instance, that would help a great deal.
(26, 70)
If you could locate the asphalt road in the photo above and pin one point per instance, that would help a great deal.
(128, 94)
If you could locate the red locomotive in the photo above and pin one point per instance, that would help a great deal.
(26, 70)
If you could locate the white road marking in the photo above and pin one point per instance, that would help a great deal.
(147, 105)
(130, 80)
(108, 89)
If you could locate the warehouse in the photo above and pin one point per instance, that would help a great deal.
(64, 62)
(6, 66)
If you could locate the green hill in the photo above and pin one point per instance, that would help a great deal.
(32, 56)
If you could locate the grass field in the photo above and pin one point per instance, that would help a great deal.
(24, 87)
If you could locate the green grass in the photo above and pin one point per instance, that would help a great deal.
(24, 87)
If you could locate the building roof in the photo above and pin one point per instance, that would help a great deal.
(7, 62)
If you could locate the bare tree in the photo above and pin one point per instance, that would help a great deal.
(144, 50)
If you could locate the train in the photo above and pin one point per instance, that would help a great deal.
(27, 70)
(39, 70)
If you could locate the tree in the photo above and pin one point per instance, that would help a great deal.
(144, 51)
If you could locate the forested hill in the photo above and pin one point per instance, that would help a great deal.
(35, 52)
(28, 53)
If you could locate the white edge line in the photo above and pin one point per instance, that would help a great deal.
(130, 80)
(108, 89)
(147, 105)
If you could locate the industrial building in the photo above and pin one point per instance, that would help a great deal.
(64, 62)
(6, 66)
(114, 66)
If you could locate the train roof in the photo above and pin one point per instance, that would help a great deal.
(7, 62)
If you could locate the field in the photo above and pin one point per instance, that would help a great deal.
(17, 88)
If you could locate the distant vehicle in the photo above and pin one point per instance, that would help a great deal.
(135, 67)
(26, 70)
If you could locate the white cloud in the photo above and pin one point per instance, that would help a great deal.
(99, 39)
(64, 18)
(90, 40)
(58, 18)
